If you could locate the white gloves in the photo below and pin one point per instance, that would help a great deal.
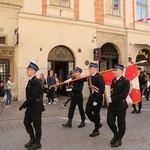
(67, 81)
(109, 100)
(94, 103)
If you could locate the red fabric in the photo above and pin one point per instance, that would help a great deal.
(143, 19)
(108, 76)
(130, 72)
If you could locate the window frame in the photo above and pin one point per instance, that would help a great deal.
(60, 4)
(140, 15)
(112, 8)
(4, 68)
(4, 40)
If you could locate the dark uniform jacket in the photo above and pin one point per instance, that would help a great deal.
(77, 87)
(33, 92)
(97, 81)
(119, 92)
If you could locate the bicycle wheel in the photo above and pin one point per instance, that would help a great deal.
(1, 106)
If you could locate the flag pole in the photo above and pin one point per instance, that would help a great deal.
(101, 72)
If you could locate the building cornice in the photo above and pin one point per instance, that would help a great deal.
(12, 6)
(99, 27)
(69, 21)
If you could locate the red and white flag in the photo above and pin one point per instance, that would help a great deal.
(130, 72)
(143, 19)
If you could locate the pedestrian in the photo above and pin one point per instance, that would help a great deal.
(68, 88)
(142, 82)
(2, 91)
(51, 90)
(56, 87)
(43, 84)
(94, 103)
(34, 107)
(148, 87)
(76, 99)
(120, 87)
(9, 84)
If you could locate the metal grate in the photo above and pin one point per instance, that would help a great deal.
(4, 69)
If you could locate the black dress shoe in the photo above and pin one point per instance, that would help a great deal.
(82, 124)
(114, 139)
(133, 111)
(34, 146)
(139, 111)
(94, 133)
(32, 141)
(117, 143)
(68, 124)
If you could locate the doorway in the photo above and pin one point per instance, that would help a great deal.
(61, 60)
(62, 70)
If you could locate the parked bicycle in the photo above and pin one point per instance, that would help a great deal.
(1, 104)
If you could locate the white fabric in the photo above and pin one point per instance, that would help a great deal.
(94, 103)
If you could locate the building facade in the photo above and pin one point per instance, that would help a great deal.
(63, 34)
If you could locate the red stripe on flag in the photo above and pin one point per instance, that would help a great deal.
(131, 72)
(135, 95)
(108, 76)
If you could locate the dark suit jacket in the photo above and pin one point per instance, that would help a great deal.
(98, 81)
(77, 91)
(119, 92)
(33, 92)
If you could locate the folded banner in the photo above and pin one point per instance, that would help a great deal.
(144, 19)
(130, 72)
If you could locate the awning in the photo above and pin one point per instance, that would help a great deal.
(142, 45)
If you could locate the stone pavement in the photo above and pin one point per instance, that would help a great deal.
(55, 137)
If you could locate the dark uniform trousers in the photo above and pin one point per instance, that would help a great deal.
(93, 112)
(72, 109)
(34, 118)
(34, 107)
(111, 119)
(77, 99)
(117, 108)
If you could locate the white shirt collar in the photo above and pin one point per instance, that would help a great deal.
(94, 74)
(31, 77)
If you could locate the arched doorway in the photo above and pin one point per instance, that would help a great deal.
(62, 61)
(107, 56)
(144, 54)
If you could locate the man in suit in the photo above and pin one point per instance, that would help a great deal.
(94, 104)
(76, 99)
(120, 87)
(34, 107)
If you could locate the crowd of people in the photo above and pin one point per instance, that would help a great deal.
(117, 104)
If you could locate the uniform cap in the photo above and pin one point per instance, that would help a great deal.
(93, 65)
(118, 66)
(78, 69)
(33, 66)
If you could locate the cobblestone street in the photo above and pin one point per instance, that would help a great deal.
(55, 137)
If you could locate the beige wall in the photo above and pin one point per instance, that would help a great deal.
(86, 12)
(15, 2)
(34, 6)
(47, 33)
(8, 24)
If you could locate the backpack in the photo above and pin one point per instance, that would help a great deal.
(5, 86)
